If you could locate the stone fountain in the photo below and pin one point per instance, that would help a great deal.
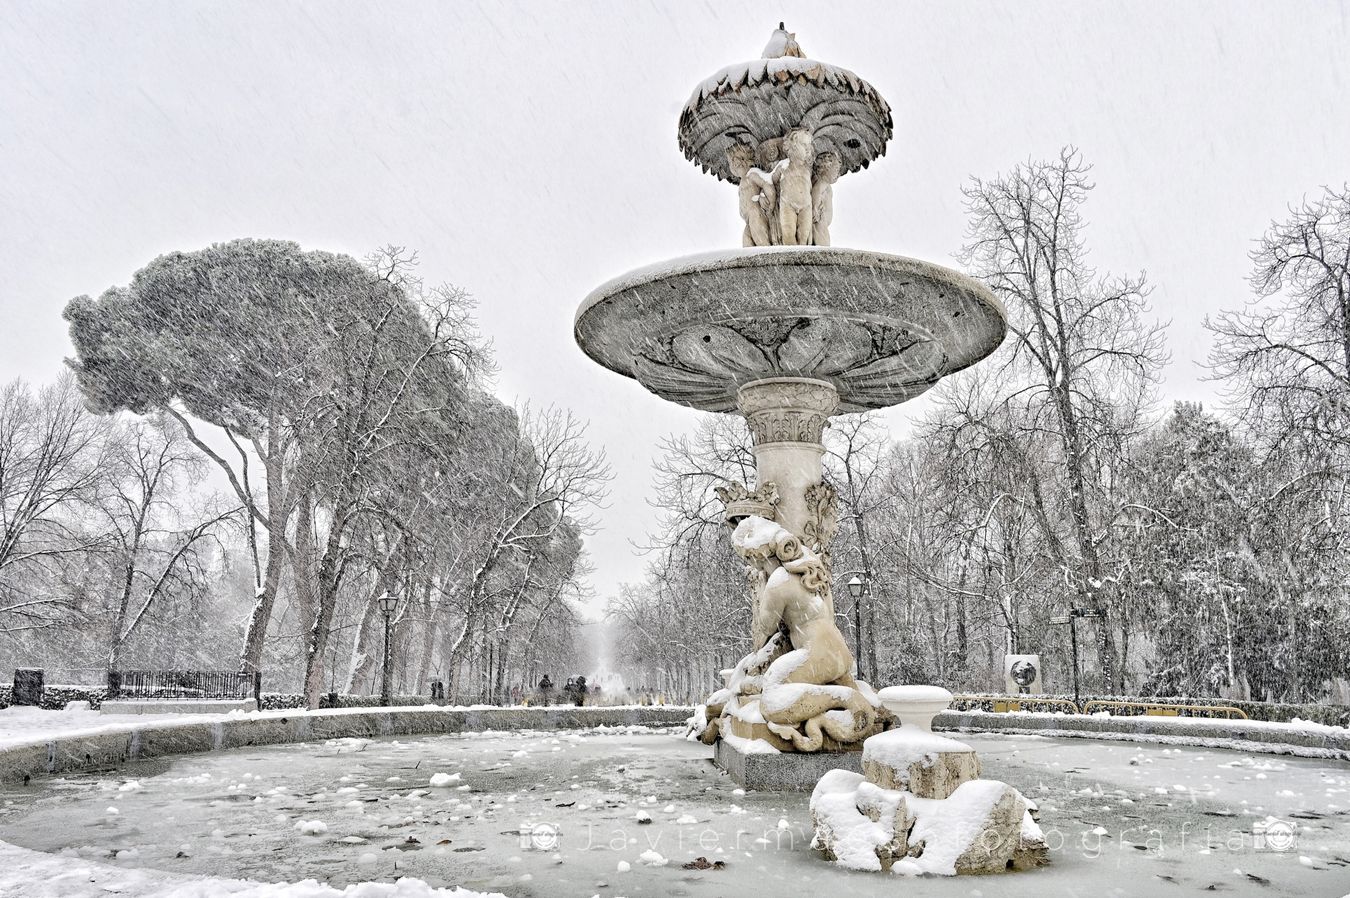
(788, 331)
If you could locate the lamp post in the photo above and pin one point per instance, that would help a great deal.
(388, 604)
(857, 587)
(1071, 619)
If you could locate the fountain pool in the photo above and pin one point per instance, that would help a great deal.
(630, 807)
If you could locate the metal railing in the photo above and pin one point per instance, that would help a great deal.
(1002, 704)
(183, 684)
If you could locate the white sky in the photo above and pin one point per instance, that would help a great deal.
(527, 150)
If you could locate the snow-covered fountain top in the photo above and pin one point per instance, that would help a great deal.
(877, 329)
(755, 103)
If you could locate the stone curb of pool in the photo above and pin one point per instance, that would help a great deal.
(144, 739)
(1253, 737)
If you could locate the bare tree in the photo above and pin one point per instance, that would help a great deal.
(1084, 358)
(1287, 355)
(533, 484)
(51, 456)
(154, 549)
(856, 453)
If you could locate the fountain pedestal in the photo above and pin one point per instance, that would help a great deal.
(780, 771)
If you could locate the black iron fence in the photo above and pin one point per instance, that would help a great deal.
(184, 684)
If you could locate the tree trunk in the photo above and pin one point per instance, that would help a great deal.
(256, 634)
(330, 576)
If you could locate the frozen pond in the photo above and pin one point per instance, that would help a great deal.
(1131, 818)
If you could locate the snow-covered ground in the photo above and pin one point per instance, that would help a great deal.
(21, 724)
(629, 809)
(32, 874)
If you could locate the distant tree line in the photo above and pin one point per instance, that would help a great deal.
(1212, 549)
(342, 408)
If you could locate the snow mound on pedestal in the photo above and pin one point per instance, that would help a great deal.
(899, 748)
(984, 826)
(779, 698)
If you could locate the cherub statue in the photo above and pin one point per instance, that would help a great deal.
(823, 175)
(793, 598)
(793, 179)
(758, 196)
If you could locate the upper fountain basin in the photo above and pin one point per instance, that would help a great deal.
(882, 329)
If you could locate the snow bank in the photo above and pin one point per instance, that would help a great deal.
(22, 725)
(33, 874)
(25, 724)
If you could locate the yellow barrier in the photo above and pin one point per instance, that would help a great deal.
(1156, 709)
(1003, 704)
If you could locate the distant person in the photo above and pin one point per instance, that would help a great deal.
(579, 692)
(546, 691)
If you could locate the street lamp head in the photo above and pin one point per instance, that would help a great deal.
(855, 587)
(388, 603)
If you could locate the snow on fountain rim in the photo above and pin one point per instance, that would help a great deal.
(756, 71)
(916, 693)
(749, 257)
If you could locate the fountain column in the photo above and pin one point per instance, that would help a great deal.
(787, 418)
(789, 330)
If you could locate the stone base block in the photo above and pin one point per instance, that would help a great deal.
(983, 827)
(917, 761)
(781, 771)
(187, 707)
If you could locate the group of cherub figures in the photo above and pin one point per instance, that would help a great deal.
(786, 190)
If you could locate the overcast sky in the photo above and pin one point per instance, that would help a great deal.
(527, 151)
